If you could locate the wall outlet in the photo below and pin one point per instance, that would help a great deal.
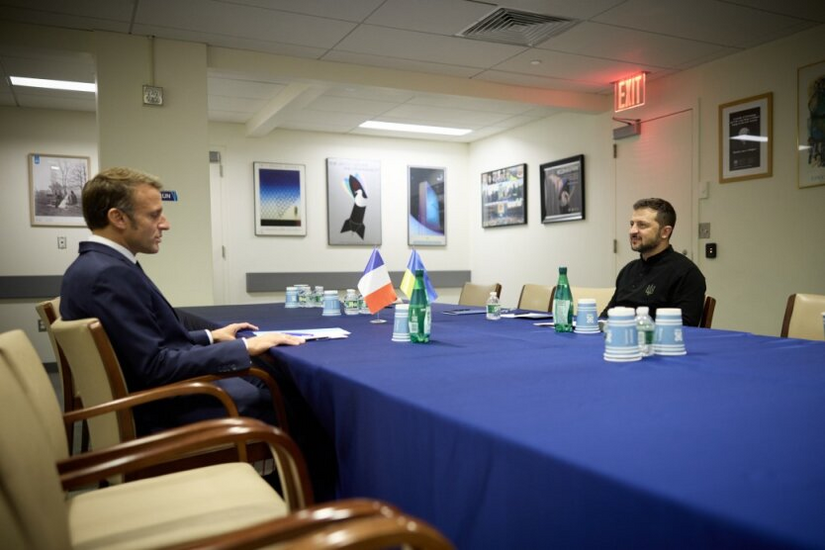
(704, 230)
(40, 326)
(61, 243)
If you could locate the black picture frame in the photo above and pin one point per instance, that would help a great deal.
(504, 196)
(562, 190)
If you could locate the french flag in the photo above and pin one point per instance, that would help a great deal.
(375, 284)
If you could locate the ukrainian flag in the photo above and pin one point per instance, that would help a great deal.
(408, 282)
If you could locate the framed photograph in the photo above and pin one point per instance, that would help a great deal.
(810, 124)
(562, 190)
(354, 202)
(504, 196)
(425, 220)
(280, 199)
(55, 187)
(745, 139)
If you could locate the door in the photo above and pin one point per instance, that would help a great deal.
(657, 163)
(218, 255)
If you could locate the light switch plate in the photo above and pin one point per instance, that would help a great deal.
(152, 95)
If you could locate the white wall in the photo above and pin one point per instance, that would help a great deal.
(770, 234)
(247, 252)
(24, 249)
(532, 253)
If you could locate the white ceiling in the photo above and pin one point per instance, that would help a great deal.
(411, 65)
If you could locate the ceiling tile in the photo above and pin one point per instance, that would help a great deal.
(400, 64)
(235, 104)
(252, 23)
(243, 88)
(447, 17)
(705, 20)
(369, 39)
(442, 117)
(350, 105)
(630, 45)
(349, 10)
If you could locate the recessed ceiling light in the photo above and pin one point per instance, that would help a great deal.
(54, 84)
(417, 128)
(535, 62)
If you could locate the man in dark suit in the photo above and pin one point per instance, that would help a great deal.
(123, 209)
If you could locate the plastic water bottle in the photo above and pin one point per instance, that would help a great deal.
(563, 304)
(351, 302)
(645, 328)
(318, 297)
(420, 312)
(493, 307)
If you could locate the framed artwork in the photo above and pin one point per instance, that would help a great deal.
(425, 219)
(562, 190)
(810, 124)
(55, 187)
(354, 202)
(745, 139)
(504, 196)
(280, 199)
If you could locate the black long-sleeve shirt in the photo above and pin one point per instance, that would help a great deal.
(668, 279)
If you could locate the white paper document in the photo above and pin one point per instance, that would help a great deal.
(311, 333)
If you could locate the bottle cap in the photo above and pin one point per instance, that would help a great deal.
(642, 310)
(493, 293)
(562, 270)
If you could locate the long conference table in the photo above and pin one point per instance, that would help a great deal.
(507, 435)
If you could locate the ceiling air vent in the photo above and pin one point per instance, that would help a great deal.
(519, 28)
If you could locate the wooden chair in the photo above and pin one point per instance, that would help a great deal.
(35, 511)
(49, 312)
(707, 312)
(536, 297)
(602, 295)
(99, 379)
(476, 295)
(803, 317)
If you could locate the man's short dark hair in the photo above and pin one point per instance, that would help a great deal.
(665, 214)
(113, 188)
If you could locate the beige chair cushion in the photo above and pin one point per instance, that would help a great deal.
(172, 508)
(535, 297)
(91, 379)
(476, 295)
(601, 295)
(806, 320)
(19, 355)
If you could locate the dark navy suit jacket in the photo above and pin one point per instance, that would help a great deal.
(151, 343)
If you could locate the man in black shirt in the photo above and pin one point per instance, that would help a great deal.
(661, 277)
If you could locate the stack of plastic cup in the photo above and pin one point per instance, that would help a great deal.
(291, 297)
(401, 326)
(587, 318)
(332, 305)
(667, 339)
(621, 342)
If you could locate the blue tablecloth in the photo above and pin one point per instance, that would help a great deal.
(507, 435)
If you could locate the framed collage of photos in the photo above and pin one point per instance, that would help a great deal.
(504, 196)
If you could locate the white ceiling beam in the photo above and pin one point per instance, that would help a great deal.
(292, 99)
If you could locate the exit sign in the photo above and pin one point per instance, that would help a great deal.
(629, 92)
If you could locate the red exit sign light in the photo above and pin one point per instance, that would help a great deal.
(629, 92)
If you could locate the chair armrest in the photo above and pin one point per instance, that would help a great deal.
(266, 378)
(294, 525)
(369, 532)
(155, 394)
(95, 466)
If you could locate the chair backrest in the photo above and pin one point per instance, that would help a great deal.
(707, 312)
(803, 317)
(49, 311)
(98, 377)
(23, 364)
(476, 295)
(535, 297)
(32, 501)
(602, 295)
